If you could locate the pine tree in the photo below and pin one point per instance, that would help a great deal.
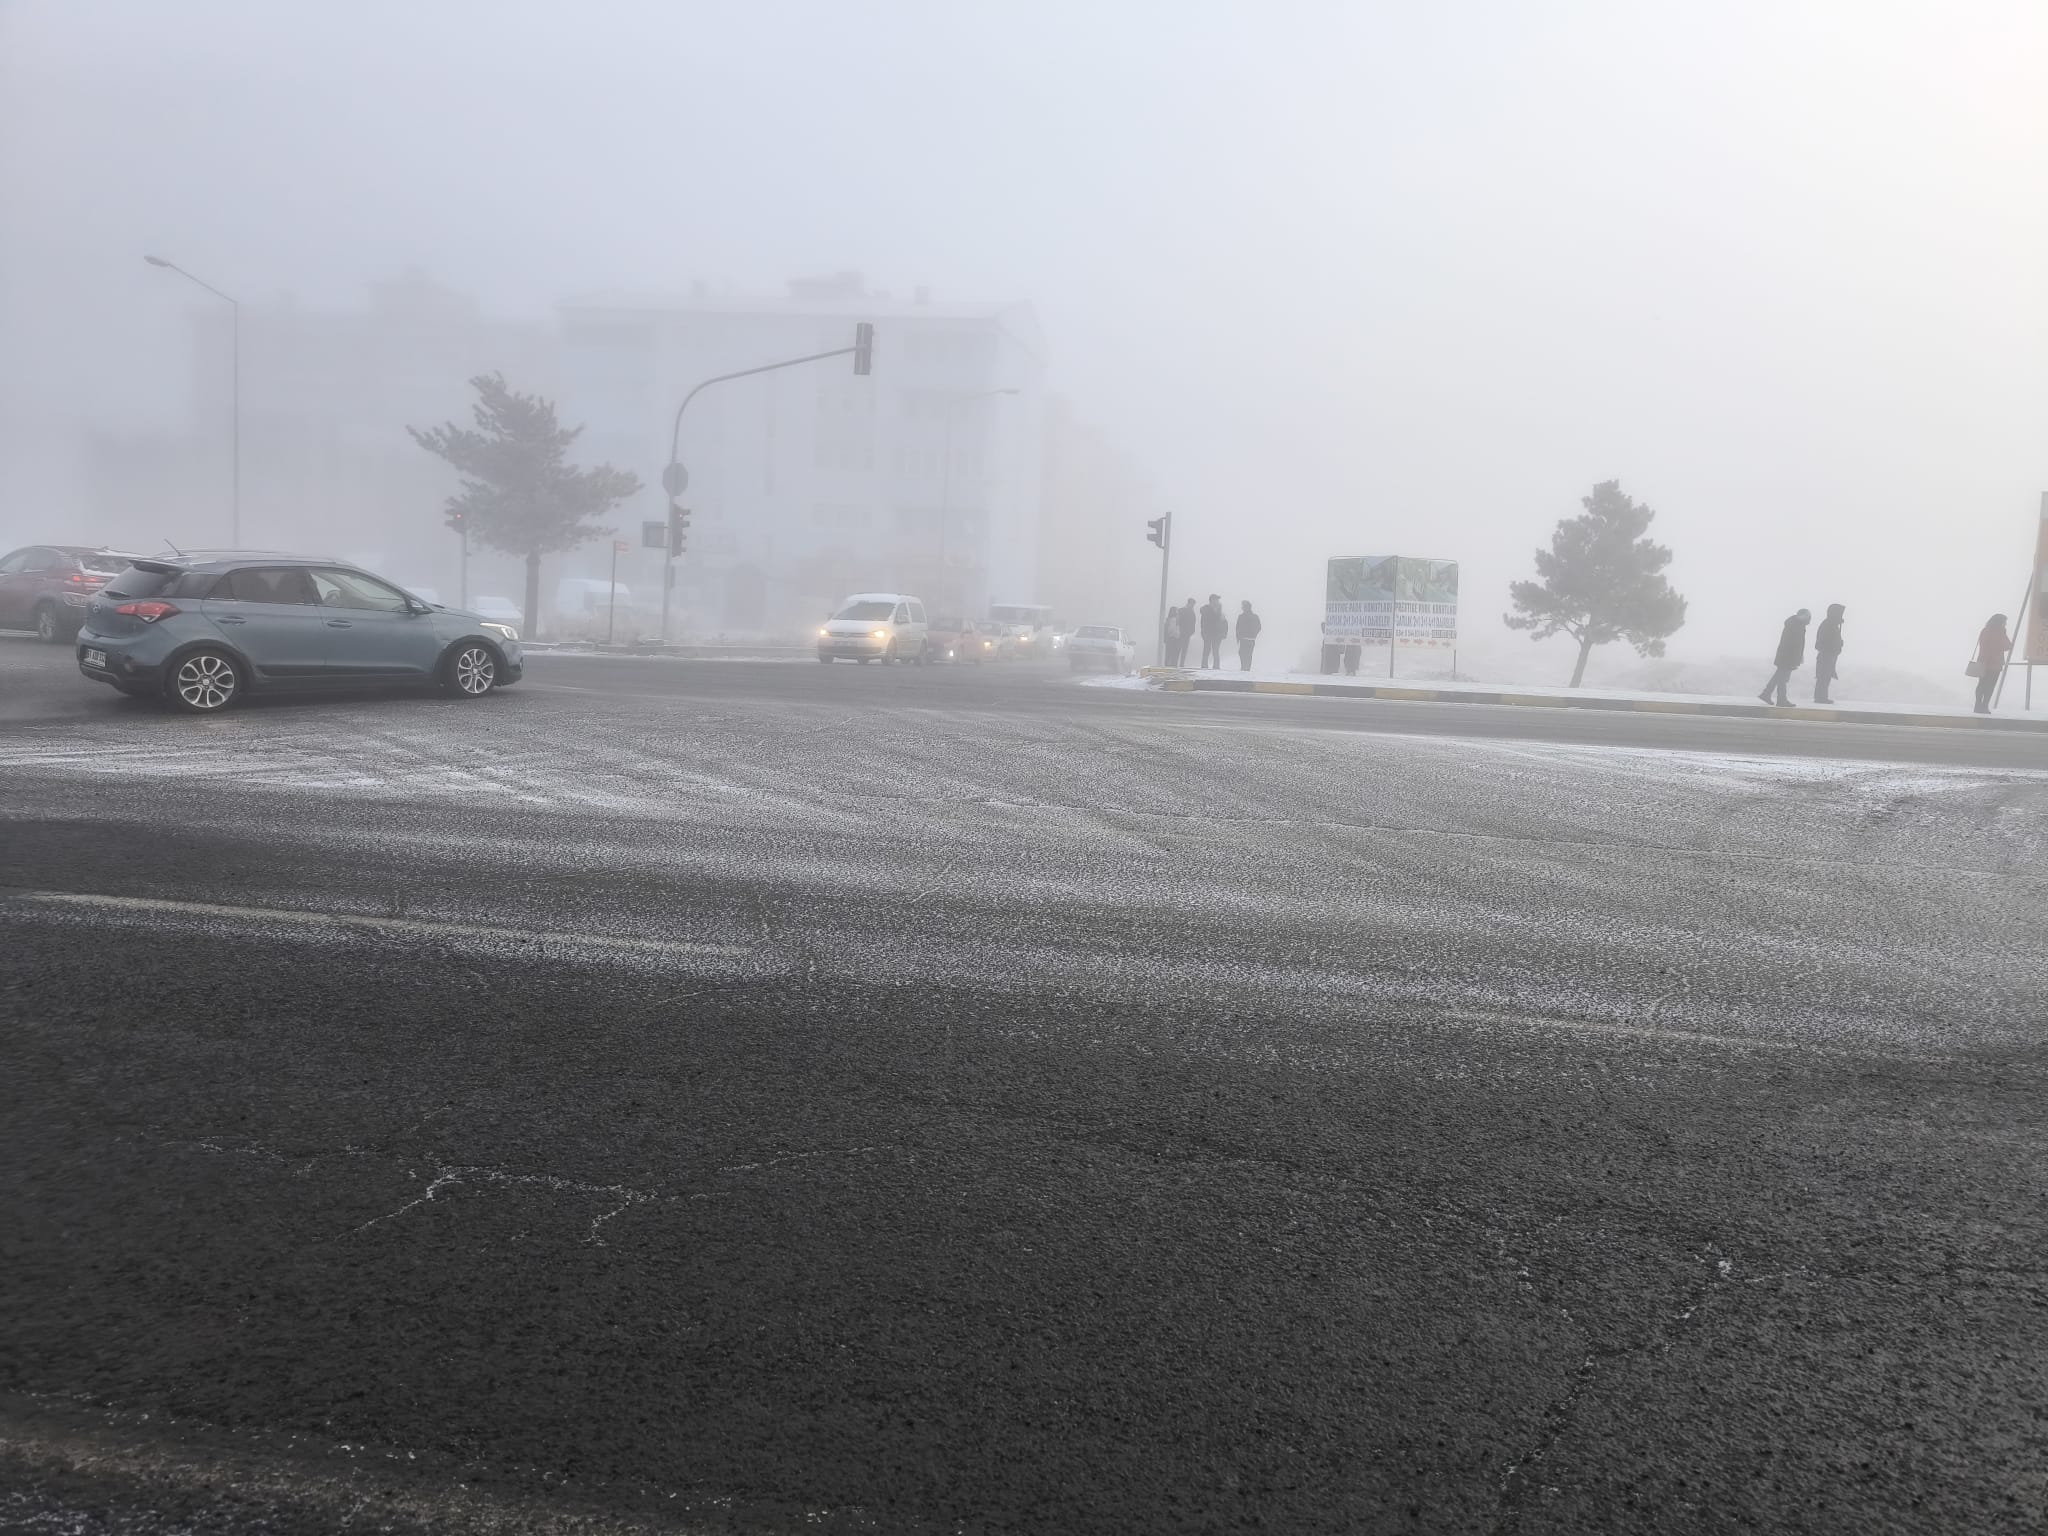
(1602, 579)
(519, 492)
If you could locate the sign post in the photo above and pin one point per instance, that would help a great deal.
(2032, 620)
(611, 613)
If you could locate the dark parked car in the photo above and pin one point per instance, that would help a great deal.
(45, 587)
(200, 633)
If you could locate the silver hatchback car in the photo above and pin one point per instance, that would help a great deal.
(200, 633)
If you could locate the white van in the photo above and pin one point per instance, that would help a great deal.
(889, 626)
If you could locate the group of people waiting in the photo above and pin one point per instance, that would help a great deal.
(1986, 663)
(1213, 625)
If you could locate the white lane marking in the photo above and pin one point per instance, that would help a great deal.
(416, 925)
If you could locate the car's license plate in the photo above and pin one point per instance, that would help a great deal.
(95, 658)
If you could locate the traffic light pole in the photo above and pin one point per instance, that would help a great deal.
(862, 353)
(1162, 535)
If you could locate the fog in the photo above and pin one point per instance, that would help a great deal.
(1320, 279)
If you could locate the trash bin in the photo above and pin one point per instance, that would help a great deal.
(1332, 651)
(1351, 655)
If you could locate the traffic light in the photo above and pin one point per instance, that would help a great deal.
(678, 527)
(863, 348)
(1162, 530)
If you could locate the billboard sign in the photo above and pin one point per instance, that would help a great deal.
(1383, 598)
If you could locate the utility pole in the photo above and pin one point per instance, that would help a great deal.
(235, 343)
(675, 477)
(674, 480)
(1162, 535)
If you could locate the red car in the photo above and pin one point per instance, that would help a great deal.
(45, 587)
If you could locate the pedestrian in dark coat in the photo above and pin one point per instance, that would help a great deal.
(1790, 658)
(1827, 645)
(1248, 627)
(1182, 621)
(1993, 646)
(1215, 630)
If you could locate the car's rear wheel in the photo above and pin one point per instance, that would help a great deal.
(49, 626)
(471, 670)
(203, 682)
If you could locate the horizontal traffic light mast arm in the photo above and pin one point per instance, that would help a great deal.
(675, 437)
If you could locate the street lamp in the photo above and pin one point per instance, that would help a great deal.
(235, 516)
(946, 462)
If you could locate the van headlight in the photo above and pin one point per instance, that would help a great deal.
(502, 631)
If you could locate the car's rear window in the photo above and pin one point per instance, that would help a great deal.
(1095, 632)
(865, 611)
(141, 581)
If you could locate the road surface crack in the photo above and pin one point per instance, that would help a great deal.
(1521, 1481)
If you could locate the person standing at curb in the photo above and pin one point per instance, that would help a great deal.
(1182, 621)
(1993, 646)
(1215, 629)
(1827, 645)
(1791, 656)
(1248, 627)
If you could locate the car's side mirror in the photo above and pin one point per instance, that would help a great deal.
(415, 607)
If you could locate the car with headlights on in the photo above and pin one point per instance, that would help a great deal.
(202, 633)
(1101, 648)
(955, 640)
(876, 626)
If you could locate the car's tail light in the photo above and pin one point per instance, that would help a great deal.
(149, 613)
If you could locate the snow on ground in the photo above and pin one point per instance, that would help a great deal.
(1538, 691)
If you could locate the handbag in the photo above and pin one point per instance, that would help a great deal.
(1973, 670)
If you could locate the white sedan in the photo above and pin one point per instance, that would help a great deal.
(1101, 647)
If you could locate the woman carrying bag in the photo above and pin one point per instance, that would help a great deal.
(1993, 646)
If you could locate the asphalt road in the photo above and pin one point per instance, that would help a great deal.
(769, 1098)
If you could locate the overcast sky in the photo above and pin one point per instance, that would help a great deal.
(1343, 278)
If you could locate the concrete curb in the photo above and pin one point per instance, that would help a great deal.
(1175, 680)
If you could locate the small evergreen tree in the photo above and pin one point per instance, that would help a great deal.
(519, 492)
(1601, 579)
